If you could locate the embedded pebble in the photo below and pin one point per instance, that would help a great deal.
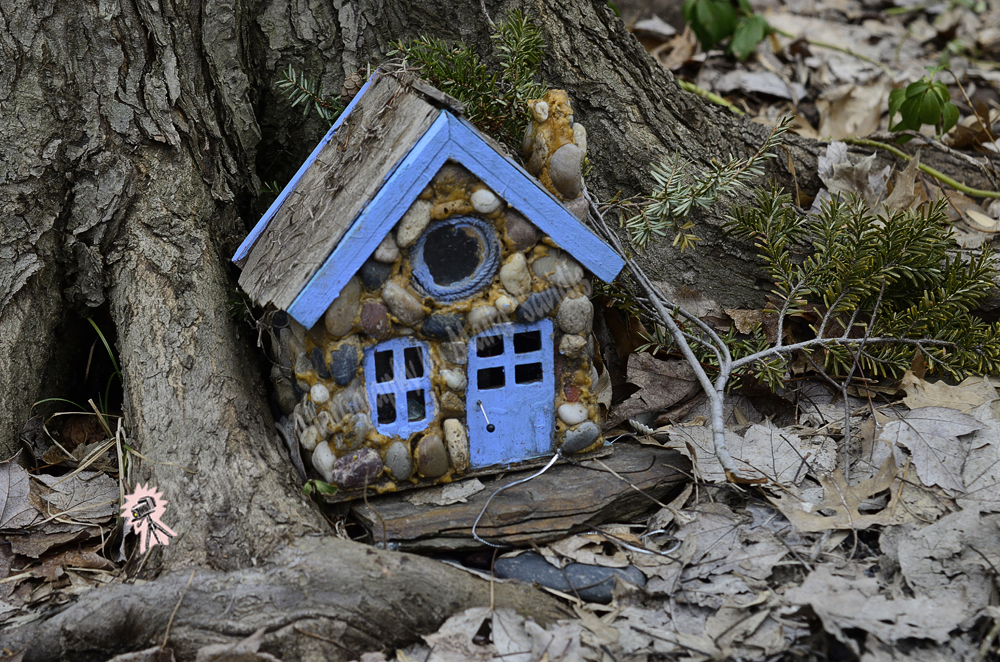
(568, 274)
(303, 364)
(283, 390)
(580, 137)
(520, 232)
(403, 305)
(515, 276)
(572, 393)
(298, 331)
(572, 346)
(452, 405)
(457, 442)
(300, 388)
(339, 317)
(375, 320)
(506, 305)
(357, 469)
(576, 439)
(344, 364)
(540, 111)
(309, 438)
(356, 428)
(323, 459)
(397, 461)
(447, 326)
(592, 583)
(454, 379)
(539, 154)
(576, 315)
(539, 305)
(527, 140)
(387, 251)
(482, 317)
(559, 269)
(485, 201)
(455, 352)
(565, 171)
(572, 413)
(351, 400)
(413, 223)
(432, 459)
(578, 207)
(319, 393)
(374, 274)
(320, 363)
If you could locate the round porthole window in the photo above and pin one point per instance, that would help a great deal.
(455, 258)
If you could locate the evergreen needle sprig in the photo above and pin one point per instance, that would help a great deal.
(495, 101)
(679, 190)
(304, 91)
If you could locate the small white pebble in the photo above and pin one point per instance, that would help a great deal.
(319, 394)
(485, 201)
(506, 305)
(309, 438)
(540, 111)
(323, 459)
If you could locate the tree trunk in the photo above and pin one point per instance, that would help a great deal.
(133, 137)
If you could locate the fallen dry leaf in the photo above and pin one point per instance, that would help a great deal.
(855, 603)
(851, 110)
(661, 385)
(842, 502)
(447, 494)
(16, 510)
(964, 397)
(88, 496)
(934, 437)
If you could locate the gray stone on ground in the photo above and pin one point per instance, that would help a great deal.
(591, 583)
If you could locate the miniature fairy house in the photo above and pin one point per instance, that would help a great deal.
(432, 314)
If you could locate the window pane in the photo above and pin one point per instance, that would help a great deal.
(386, 405)
(488, 378)
(383, 366)
(413, 357)
(527, 373)
(415, 406)
(528, 341)
(489, 346)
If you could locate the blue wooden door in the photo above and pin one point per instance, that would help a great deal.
(511, 392)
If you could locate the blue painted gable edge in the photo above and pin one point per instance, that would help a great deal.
(258, 229)
(448, 138)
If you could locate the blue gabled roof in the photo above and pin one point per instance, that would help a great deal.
(448, 138)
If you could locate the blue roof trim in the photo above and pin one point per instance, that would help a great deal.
(258, 229)
(447, 138)
(367, 231)
(520, 190)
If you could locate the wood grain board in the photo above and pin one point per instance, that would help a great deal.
(568, 498)
(348, 171)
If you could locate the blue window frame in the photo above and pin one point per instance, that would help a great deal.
(398, 380)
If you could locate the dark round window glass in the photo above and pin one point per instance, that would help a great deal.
(452, 253)
(455, 258)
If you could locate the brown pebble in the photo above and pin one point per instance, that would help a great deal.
(375, 320)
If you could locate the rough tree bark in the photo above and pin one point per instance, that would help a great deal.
(133, 133)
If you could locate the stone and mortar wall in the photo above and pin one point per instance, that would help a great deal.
(319, 377)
